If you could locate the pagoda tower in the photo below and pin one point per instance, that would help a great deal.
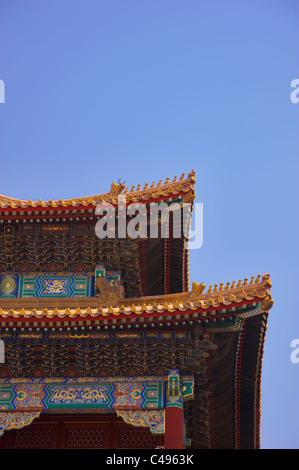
(104, 343)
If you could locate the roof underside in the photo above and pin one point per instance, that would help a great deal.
(59, 236)
(217, 336)
(225, 412)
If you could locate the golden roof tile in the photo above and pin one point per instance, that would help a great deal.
(195, 300)
(185, 185)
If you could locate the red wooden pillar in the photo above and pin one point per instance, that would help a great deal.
(174, 428)
(174, 414)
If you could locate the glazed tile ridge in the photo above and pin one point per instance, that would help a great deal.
(153, 191)
(187, 301)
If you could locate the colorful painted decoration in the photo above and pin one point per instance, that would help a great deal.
(154, 419)
(16, 420)
(73, 393)
(9, 286)
(55, 285)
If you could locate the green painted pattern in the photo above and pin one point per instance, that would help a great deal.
(49, 286)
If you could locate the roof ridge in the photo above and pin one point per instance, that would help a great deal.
(183, 184)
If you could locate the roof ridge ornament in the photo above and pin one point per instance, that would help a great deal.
(197, 289)
(116, 188)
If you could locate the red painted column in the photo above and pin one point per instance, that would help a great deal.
(174, 428)
(174, 414)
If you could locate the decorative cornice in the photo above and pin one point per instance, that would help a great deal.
(154, 419)
(16, 420)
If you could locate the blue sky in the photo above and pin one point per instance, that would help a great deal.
(141, 90)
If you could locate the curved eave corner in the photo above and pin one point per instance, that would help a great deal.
(194, 303)
(168, 189)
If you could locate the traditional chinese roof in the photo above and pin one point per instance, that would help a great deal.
(216, 333)
(218, 300)
(218, 336)
(55, 236)
(166, 190)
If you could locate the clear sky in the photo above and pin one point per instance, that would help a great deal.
(97, 90)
